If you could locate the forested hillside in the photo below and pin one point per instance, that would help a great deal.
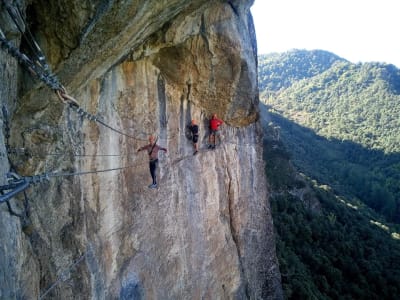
(329, 247)
(278, 71)
(333, 163)
(344, 128)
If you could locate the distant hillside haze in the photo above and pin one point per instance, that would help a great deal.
(340, 121)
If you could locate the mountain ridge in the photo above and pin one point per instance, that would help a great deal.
(357, 103)
(335, 235)
(279, 70)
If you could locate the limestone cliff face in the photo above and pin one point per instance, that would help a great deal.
(145, 67)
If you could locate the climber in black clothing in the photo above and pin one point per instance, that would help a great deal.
(194, 129)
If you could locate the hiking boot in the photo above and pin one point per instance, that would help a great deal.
(153, 186)
(195, 152)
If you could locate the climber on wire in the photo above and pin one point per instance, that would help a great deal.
(152, 149)
(214, 127)
(194, 130)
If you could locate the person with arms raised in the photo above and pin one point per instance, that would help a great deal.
(152, 150)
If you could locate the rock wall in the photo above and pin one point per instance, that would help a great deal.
(145, 67)
(15, 249)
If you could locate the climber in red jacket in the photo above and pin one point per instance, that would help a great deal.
(214, 127)
(152, 149)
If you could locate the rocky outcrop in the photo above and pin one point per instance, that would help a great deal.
(145, 67)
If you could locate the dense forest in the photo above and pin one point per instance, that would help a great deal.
(328, 246)
(278, 71)
(333, 164)
(345, 130)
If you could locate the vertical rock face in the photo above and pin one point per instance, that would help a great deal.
(15, 249)
(145, 67)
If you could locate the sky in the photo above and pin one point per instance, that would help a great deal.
(356, 30)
